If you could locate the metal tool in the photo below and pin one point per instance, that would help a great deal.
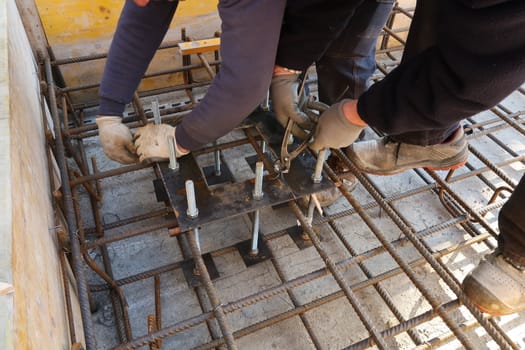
(282, 165)
(308, 106)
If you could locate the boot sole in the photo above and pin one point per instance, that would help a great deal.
(450, 167)
(490, 312)
(476, 292)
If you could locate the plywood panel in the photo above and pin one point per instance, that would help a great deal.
(6, 300)
(37, 304)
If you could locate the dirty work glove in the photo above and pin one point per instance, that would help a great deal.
(116, 139)
(152, 142)
(285, 102)
(334, 130)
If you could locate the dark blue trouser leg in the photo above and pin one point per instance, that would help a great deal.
(139, 32)
(345, 68)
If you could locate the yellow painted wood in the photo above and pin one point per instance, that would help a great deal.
(199, 46)
(76, 28)
(74, 21)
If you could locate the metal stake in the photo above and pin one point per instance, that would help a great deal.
(257, 195)
(156, 111)
(217, 155)
(265, 104)
(257, 191)
(174, 165)
(317, 175)
(255, 233)
(197, 238)
(311, 209)
(192, 210)
(309, 216)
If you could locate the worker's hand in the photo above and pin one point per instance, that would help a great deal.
(339, 126)
(152, 143)
(285, 102)
(116, 139)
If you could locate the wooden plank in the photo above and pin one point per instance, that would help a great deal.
(199, 46)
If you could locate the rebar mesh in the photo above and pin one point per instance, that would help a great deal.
(381, 268)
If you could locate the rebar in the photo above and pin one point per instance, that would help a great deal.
(436, 304)
(78, 268)
(461, 216)
(370, 326)
(160, 333)
(423, 251)
(218, 310)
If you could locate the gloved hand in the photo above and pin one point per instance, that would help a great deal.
(152, 143)
(334, 130)
(116, 139)
(285, 101)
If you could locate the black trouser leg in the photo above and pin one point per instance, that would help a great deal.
(422, 35)
(511, 223)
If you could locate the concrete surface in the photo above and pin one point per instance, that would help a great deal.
(334, 324)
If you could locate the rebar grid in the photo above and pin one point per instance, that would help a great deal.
(458, 317)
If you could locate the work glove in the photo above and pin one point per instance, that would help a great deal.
(152, 144)
(334, 130)
(285, 101)
(116, 139)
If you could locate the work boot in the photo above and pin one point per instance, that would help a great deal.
(387, 157)
(496, 286)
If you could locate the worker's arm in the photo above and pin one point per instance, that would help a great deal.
(139, 32)
(477, 60)
(326, 27)
(250, 33)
